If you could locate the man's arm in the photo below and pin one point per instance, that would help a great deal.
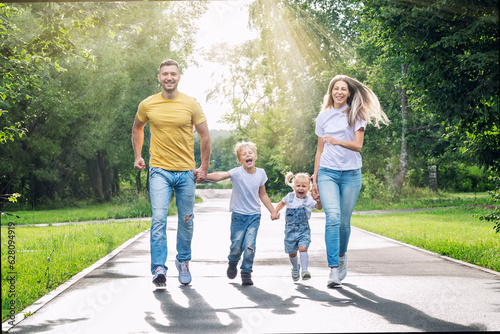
(137, 141)
(206, 147)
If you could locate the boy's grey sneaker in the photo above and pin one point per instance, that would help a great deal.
(305, 275)
(342, 267)
(184, 274)
(296, 273)
(333, 279)
(160, 277)
(246, 279)
(232, 271)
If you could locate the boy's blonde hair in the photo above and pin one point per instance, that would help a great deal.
(241, 144)
(290, 178)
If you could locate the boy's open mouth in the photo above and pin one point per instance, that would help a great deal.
(249, 161)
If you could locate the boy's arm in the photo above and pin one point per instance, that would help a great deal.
(265, 199)
(218, 176)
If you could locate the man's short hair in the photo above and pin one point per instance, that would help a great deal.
(168, 62)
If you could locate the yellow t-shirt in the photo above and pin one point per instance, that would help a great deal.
(171, 123)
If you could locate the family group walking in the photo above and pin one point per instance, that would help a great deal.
(348, 107)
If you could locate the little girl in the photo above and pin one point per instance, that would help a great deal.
(297, 232)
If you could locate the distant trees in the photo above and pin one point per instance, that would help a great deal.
(73, 76)
(433, 64)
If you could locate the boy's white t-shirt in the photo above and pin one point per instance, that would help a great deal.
(245, 198)
(292, 202)
(333, 122)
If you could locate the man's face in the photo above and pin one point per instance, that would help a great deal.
(169, 78)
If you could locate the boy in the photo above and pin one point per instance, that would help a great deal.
(248, 187)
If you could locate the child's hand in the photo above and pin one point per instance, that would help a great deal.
(275, 215)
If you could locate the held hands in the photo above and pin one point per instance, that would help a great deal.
(200, 174)
(315, 192)
(275, 215)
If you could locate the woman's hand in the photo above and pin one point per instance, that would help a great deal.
(315, 192)
(329, 140)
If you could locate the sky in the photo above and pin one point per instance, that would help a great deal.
(224, 21)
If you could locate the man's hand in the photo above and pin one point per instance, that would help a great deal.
(200, 174)
(139, 164)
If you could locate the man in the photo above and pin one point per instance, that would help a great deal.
(171, 116)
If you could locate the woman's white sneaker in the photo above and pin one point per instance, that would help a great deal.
(333, 279)
(342, 267)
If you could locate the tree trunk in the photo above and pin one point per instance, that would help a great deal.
(403, 157)
(138, 181)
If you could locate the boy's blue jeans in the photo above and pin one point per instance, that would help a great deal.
(161, 184)
(244, 230)
(339, 191)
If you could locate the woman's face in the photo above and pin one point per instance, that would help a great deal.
(340, 93)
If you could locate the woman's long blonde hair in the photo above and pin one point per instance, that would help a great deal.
(363, 102)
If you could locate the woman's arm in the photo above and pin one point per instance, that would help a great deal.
(319, 151)
(355, 145)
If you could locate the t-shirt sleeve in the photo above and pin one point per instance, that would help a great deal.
(319, 129)
(286, 199)
(141, 112)
(264, 178)
(360, 123)
(198, 115)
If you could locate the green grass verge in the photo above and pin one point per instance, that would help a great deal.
(45, 257)
(121, 207)
(454, 232)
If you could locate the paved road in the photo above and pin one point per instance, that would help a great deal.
(390, 287)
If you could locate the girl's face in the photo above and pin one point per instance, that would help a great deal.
(340, 93)
(301, 187)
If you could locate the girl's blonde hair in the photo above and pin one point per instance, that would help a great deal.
(290, 178)
(241, 144)
(363, 102)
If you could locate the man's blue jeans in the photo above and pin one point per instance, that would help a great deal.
(244, 230)
(339, 191)
(161, 184)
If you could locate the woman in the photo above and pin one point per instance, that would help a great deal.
(348, 107)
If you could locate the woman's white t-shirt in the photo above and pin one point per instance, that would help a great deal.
(333, 122)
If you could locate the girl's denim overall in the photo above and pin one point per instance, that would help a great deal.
(297, 231)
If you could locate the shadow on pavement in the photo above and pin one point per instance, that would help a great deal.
(266, 300)
(198, 317)
(400, 313)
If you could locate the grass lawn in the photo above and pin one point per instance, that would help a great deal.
(45, 257)
(453, 232)
(114, 210)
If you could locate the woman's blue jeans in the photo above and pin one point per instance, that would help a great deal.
(244, 230)
(339, 191)
(161, 184)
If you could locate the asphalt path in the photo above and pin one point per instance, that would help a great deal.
(390, 287)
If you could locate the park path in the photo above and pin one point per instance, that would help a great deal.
(390, 287)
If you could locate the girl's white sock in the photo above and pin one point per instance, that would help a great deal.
(304, 260)
(294, 261)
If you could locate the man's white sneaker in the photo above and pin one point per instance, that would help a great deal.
(333, 279)
(160, 277)
(342, 267)
(184, 274)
